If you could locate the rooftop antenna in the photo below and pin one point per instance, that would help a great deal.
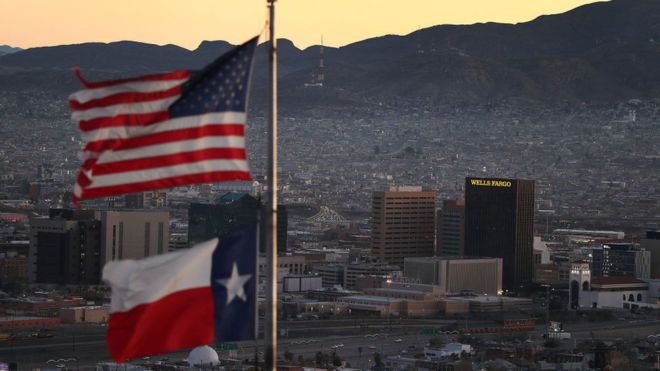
(321, 75)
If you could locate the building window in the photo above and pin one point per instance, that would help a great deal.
(639, 297)
(160, 238)
(631, 298)
(121, 240)
(147, 235)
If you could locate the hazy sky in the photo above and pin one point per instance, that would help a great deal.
(29, 23)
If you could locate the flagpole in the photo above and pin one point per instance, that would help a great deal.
(270, 331)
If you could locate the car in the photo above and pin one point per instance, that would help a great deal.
(398, 340)
(372, 347)
(411, 347)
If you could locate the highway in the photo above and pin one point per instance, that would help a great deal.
(304, 338)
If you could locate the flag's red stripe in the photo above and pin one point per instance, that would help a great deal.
(170, 160)
(176, 75)
(125, 98)
(184, 319)
(175, 181)
(167, 137)
(132, 119)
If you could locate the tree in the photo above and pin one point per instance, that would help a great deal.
(301, 359)
(378, 360)
(552, 343)
(437, 341)
(359, 349)
(288, 355)
(336, 360)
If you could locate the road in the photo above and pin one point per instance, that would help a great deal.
(305, 338)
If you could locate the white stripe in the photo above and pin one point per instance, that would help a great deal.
(229, 141)
(86, 95)
(186, 122)
(124, 109)
(139, 176)
(136, 282)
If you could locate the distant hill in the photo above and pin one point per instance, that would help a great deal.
(6, 49)
(606, 51)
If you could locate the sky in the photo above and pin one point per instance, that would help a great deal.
(31, 23)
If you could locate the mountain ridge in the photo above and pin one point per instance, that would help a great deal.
(603, 51)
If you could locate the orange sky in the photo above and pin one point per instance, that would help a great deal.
(29, 23)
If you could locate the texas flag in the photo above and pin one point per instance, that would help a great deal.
(185, 298)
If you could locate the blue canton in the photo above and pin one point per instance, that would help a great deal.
(221, 86)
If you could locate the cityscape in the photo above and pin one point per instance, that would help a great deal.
(413, 232)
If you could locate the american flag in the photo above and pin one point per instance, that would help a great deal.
(164, 130)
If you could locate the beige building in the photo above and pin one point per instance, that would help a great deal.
(84, 315)
(134, 234)
(294, 264)
(353, 271)
(456, 275)
(403, 224)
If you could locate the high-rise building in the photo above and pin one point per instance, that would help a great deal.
(230, 211)
(652, 243)
(499, 222)
(149, 199)
(456, 274)
(451, 228)
(134, 234)
(65, 248)
(621, 259)
(403, 224)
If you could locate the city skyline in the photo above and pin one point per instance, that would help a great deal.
(37, 23)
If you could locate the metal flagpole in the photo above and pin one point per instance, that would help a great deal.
(270, 332)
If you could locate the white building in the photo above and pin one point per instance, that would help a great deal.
(447, 351)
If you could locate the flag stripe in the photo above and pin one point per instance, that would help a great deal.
(228, 132)
(163, 274)
(174, 181)
(124, 109)
(179, 74)
(86, 95)
(181, 320)
(130, 97)
(128, 131)
(166, 172)
(123, 120)
(168, 160)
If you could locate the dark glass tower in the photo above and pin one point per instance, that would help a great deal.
(499, 223)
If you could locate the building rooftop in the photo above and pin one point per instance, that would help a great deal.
(618, 280)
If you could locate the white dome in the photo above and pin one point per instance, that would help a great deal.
(204, 355)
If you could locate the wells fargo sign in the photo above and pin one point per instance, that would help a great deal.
(490, 183)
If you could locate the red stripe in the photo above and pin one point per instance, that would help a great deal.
(181, 74)
(175, 181)
(167, 137)
(132, 119)
(170, 160)
(184, 319)
(127, 98)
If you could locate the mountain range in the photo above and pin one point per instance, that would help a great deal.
(601, 52)
(6, 49)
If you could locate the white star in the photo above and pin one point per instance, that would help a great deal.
(234, 284)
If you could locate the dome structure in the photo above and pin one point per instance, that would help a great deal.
(203, 356)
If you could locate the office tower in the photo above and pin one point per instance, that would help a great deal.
(134, 234)
(65, 248)
(148, 199)
(230, 211)
(652, 243)
(621, 259)
(456, 274)
(403, 224)
(499, 222)
(451, 228)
